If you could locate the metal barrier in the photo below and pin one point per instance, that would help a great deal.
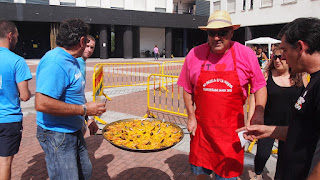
(126, 74)
(165, 101)
(97, 82)
(172, 68)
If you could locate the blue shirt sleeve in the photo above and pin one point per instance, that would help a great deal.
(51, 80)
(22, 71)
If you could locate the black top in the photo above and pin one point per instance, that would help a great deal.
(260, 59)
(280, 103)
(303, 132)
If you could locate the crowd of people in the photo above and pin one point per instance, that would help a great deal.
(215, 78)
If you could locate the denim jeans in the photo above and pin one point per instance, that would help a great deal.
(222, 178)
(201, 170)
(66, 154)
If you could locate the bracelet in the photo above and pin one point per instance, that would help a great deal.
(84, 109)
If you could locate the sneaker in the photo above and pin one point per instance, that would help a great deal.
(257, 177)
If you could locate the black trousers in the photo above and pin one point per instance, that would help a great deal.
(263, 153)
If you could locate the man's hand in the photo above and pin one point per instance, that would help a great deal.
(192, 125)
(93, 127)
(256, 131)
(95, 109)
(263, 131)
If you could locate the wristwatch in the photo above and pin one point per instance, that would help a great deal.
(84, 109)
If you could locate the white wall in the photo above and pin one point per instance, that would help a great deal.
(150, 37)
(117, 3)
(94, 3)
(105, 4)
(169, 6)
(160, 3)
(81, 3)
(51, 2)
(276, 14)
(150, 5)
(139, 5)
(24, 1)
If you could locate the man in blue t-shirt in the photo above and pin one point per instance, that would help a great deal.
(61, 106)
(88, 51)
(14, 76)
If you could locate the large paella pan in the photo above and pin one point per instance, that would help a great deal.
(145, 134)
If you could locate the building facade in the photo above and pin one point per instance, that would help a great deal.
(123, 28)
(131, 28)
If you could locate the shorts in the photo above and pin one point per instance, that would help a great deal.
(10, 138)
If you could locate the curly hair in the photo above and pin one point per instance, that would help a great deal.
(295, 78)
(304, 29)
(7, 27)
(70, 32)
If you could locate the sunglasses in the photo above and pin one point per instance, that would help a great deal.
(220, 33)
(276, 57)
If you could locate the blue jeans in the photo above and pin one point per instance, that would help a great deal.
(156, 55)
(201, 170)
(66, 154)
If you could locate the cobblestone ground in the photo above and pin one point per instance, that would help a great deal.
(108, 161)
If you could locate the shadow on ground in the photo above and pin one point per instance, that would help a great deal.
(248, 170)
(99, 165)
(142, 173)
(38, 169)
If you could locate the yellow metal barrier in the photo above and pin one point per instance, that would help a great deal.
(169, 101)
(97, 82)
(126, 74)
(172, 68)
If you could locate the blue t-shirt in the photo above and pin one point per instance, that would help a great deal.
(59, 76)
(82, 64)
(13, 70)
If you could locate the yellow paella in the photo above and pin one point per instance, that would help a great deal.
(143, 134)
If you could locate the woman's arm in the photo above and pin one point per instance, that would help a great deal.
(264, 56)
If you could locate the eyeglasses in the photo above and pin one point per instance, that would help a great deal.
(276, 57)
(220, 33)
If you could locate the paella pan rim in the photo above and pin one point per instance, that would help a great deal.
(141, 150)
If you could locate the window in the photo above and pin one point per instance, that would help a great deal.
(251, 4)
(160, 10)
(231, 6)
(9, 1)
(266, 3)
(67, 2)
(244, 5)
(216, 5)
(289, 1)
(44, 2)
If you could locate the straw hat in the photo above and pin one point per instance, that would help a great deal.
(219, 19)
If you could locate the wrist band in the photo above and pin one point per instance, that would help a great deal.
(84, 109)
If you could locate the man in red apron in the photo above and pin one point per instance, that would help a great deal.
(215, 79)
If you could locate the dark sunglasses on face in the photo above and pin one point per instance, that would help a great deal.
(220, 33)
(276, 57)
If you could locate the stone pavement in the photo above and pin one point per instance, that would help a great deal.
(108, 161)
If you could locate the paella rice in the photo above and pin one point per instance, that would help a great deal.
(143, 134)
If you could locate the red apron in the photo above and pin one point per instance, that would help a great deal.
(219, 103)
